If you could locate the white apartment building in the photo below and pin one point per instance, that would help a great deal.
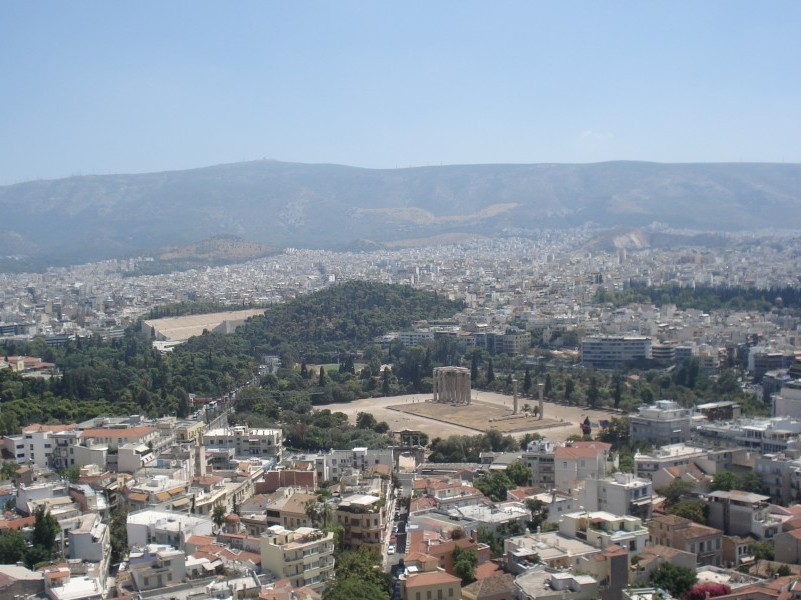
(339, 462)
(266, 443)
(603, 529)
(37, 444)
(164, 527)
(666, 422)
(764, 435)
(90, 540)
(672, 455)
(620, 494)
(304, 556)
(614, 351)
(414, 338)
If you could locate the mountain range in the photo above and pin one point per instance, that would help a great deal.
(280, 204)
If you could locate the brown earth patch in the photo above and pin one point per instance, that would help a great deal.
(481, 416)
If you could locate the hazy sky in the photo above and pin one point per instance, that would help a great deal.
(120, 87)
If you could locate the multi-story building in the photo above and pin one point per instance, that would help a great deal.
(620, 494)
(265, 443)
(764, 435)
(539, 458)
(364, 520)
(415, 338)
(602, 529)
(762, 360)
(514, 342)
(502, 517)
(673, 455)
(663, 423)
(742, 513)
(554, 550)
(157, 566)
(431, 584)
(164, 527)
(719, 411)
(683, 534)
(664, 354)
(787, 546)
(781, 476)
(565, 467)
(557, 504)
(337, 463)
(160, 492)
(290, 510)
(614, 351)
(541, 584)
(37, 444)
(787, 402)
(304, 556)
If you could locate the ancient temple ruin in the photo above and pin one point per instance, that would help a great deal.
(452, 385)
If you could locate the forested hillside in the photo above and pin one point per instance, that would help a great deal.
(341, 319)
(127, 376)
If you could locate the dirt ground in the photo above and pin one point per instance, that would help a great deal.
(564, 420)
(476, 415)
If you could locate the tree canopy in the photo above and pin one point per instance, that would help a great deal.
(676, 580)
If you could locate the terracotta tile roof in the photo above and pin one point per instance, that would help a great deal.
(432, 578)
(200, 540)
(207, 480)
(567, 452)
(16, 522)
(228, 554)
(488, 569)
(492, 587)
(419, 557)
(696, 530)
(522, 493)
(794, 533)
(669, 519)
(131, 432)
(422, 504)
(283, 590)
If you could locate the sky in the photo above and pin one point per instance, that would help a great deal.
(98, 87)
